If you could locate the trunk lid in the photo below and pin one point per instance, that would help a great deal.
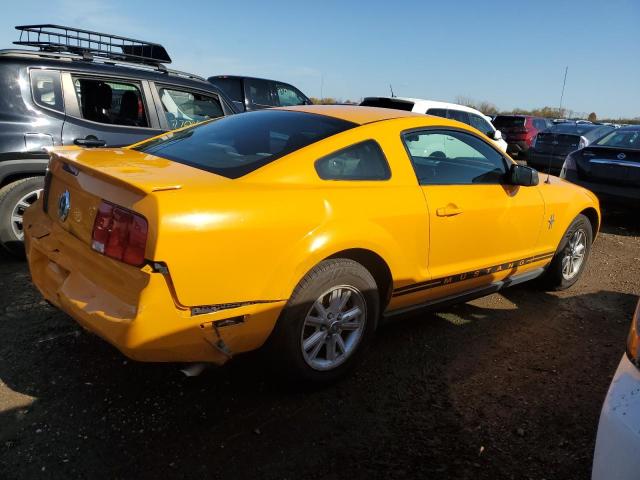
(619, 166)
(79, 180)
(557, 143)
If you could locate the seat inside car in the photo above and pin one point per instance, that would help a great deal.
(128, 114)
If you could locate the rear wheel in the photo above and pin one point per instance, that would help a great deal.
(328, 322)
(15, 198)
(571, 257)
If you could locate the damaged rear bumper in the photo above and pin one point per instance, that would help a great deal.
(133, 308)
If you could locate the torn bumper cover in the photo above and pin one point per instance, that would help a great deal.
(133, 308)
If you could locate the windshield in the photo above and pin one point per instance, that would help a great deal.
(239, 144)
(621, 139)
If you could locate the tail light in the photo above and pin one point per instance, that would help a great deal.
(633, 340)
(582, 143)
(120, 234)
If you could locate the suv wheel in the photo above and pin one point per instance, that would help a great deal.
(15, 198)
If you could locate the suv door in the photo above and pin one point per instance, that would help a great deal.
(107, 111)
(480, 226)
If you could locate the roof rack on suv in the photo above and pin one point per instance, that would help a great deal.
(57, 38)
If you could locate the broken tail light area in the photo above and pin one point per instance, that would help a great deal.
(633, 340)
(120, 234)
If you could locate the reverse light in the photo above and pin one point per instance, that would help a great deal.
(568, 165)
(120, 234)
(633, 340)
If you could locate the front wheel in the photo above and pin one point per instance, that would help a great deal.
(571, 257)
(15, 198)
(328, 321)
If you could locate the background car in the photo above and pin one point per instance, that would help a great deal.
(461, 113)
(66, 93)
(551, 147)
(250, 93)
(519, 131)
(618, 439)
(609, 167)
(302, 226)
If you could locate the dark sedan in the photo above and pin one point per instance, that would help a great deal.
(609, 167)
(551, 147)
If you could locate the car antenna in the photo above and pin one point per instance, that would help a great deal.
(564, 82)
(391, 88)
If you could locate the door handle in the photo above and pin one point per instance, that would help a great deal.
(448, 211)
(90, 141)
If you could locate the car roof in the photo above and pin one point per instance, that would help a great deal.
(244, 76)
(66, 61)
(426, 104)
(354, 113)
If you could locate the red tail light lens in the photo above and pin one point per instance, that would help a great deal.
(120, 233)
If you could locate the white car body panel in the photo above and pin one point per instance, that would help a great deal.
(617, 452)
(422, 106)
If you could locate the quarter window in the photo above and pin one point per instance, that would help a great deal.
(111, 102)
(183, 108)
(288, 96)
(46, 89)
(448, 157)
(480, 124)
(364, 161)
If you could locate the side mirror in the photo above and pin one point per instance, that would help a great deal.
(523, 176)
(497, 135)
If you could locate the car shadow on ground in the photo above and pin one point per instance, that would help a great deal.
(471, 391)
(620, 221)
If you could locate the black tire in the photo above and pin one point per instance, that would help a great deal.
(10, 195)
(286, 340)
(553, 278)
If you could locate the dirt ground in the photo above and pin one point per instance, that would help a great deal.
(508, 386)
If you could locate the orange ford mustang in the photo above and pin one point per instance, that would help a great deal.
(300, 226)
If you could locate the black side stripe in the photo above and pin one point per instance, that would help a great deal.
(416, 287)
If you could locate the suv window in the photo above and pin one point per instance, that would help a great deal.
(438, 112)
(111, 102)
(259, 92)
(231, 86)
(364, 161)
(46, 90)
(481, 124)
(444, 157)
(287, 95)
(183, 108)
(458, 115)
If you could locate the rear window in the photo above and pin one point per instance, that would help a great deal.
(621, 139)
(572, 128)
(388, 103)
(508, 122)
(239, 144)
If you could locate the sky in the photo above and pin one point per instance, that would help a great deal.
(510, 53)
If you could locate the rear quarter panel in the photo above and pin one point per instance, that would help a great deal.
(254, 238)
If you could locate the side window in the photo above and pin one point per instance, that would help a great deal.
(183, 108)
(438, 112)
(287, 95)
(111, 102)
(458, 115)
(232, 87)
(481, 124)
(46, 90)
(363, 161)
(259, 92)
(443, 157)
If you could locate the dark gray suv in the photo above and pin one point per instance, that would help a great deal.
(87, 89)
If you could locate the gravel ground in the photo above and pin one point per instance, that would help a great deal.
(508, 386)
